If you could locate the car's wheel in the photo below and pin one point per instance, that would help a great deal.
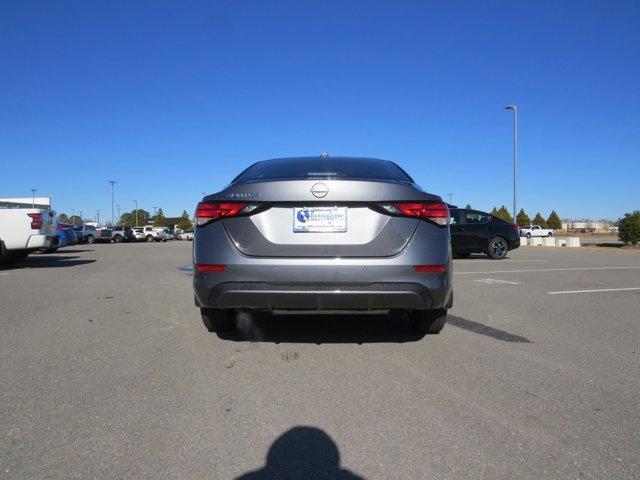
(218, 319)
(90, 239)
(529, 235)
(428, 322)
(149, 238)
(117, 238)
(498, 248)
(550, 234)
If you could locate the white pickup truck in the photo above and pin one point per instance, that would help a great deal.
(535, 231)
(25, 230)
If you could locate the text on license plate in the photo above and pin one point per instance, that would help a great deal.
(320, 219)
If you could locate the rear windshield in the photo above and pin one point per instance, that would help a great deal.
(324, 169)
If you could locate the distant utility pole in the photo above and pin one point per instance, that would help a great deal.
(514, 108)
(98, 214)
(113, 184)
(450, 195)
(118, 205)
(33, 197)
(81, 220)
(136, 202)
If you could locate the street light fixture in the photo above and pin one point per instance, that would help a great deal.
(514, 108)
(33, 197)
(113, 184)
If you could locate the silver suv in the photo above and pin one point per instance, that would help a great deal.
(323, 234)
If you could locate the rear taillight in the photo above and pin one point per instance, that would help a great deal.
(209, 211)
(36, 220)
(436, 212)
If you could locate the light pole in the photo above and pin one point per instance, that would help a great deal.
(33, 197)
(136, 202)
(450, 195)
(81, 220)
(118, 206)
(515, 157)
(113, 183)
(98, 215)
(73, 215)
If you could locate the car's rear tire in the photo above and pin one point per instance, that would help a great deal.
(498, 248)
(117, 238)
(529, 235)
(149, 238)
(550, 234)
(218, 319)
(428, 322)
(90, 239)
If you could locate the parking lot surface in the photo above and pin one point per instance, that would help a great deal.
(107, 372)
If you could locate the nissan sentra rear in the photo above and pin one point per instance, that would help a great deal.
(319, 234)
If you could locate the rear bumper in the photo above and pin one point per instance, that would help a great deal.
(39, 241)
(514, 243)
(353, 287)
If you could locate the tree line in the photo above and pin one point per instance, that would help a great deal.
(552, 221)
(136, 217)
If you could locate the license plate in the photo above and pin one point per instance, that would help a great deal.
(320, 219)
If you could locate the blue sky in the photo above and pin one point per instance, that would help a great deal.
(174, 98)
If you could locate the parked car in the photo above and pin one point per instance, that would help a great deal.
(323, 234)
(138, 234)
(24, 231)
(121, 233)
(104, 235)
(473, 231)
(186, 235)
(86, 233)
(65, 235)
(155, 234)
(535, 231)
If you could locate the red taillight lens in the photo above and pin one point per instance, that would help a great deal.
(59, 227)
(208, 211)
(200, 267)
(430, 268)
(36, 220)
(436, 212)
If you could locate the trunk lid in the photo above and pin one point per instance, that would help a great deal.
(340, 208)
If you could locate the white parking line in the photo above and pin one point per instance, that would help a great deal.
(545, 270)
(495, 281)
(596, 290)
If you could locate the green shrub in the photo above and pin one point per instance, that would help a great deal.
(629, 228)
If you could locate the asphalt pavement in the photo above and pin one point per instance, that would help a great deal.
(107, 372)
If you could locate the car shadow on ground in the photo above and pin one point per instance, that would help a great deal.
(47, 261)
(319, 329)
(65, 250)
(482, 329)
(302, 452)
(313, 328)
